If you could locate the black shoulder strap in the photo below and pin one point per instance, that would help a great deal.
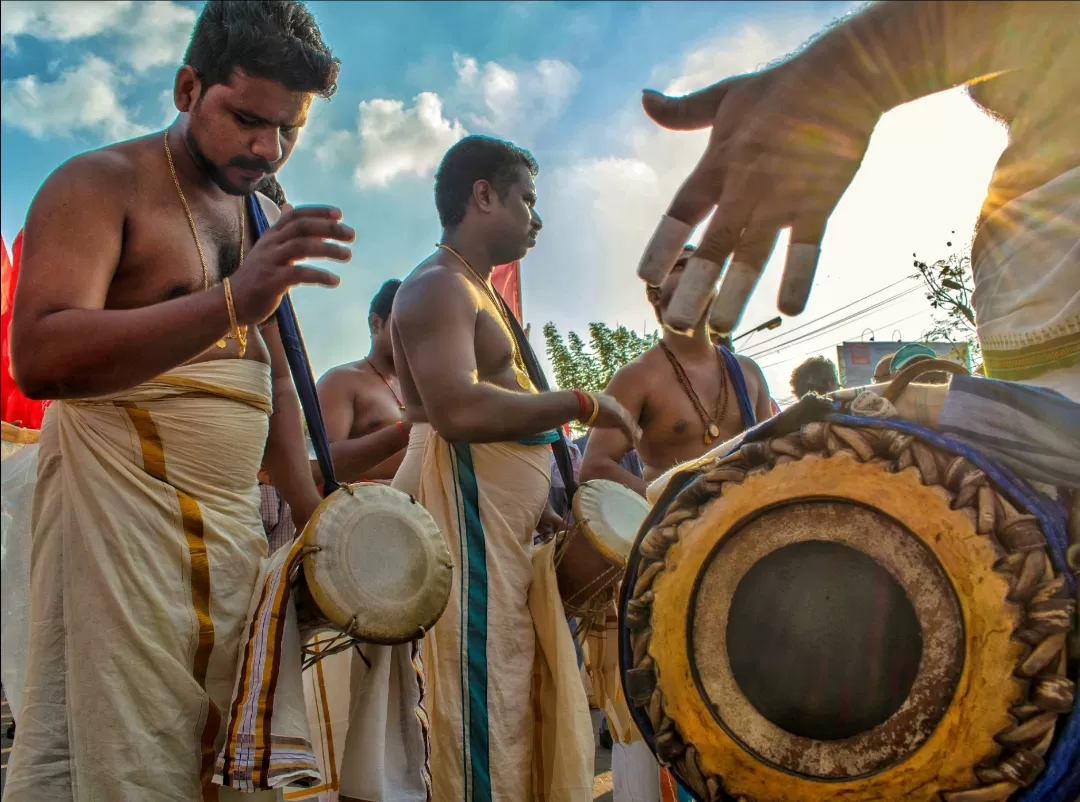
(560, 447)
(300, 366)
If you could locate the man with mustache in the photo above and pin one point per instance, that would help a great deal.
(508, 710)
(145, 308)
(687, 394)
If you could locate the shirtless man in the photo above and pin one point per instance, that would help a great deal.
(140, 261)
(361, 404)
(478, 460)
(683, 397)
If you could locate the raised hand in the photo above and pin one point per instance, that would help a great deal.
(612, 415)
(271, 268)
(785, 145)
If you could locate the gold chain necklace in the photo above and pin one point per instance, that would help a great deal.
(385, 381)
(241, 331)
(522, 375)
(712, 426)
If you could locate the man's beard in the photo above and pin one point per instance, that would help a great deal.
(217, 175)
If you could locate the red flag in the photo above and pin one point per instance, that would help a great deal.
(15, 407)
(507, 282)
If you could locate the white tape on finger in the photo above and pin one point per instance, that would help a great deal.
(663, 250)
(692, 296)
(802, 260)
(735, 290)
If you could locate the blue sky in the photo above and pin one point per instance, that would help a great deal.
(562, 79)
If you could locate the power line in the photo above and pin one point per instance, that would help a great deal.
(875, 307)
(832, 345)
(788, 332)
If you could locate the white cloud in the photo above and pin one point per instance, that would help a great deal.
(157, 34)
(59, 21)
(392, 139)
(510, 104)
(151, 33)
(81, 99)
(924, 176)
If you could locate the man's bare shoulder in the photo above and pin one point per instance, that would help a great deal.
(344, 375)
(432, 283)
(103, 172)
(636, 373)
(749, 366)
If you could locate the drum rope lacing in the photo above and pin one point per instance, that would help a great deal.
(967, 475)
(596, 603)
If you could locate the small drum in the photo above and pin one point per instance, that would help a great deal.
(847, 612)
(13, 438)
(592, 553)
(376, 568)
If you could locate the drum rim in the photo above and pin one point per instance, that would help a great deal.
(338, 618)
(583, 521)
(683, 488)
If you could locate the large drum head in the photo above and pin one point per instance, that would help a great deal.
(380, 569)
(611, 515)
(847, 614)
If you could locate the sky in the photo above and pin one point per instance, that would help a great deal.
(562, 79)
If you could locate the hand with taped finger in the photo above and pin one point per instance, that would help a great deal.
(272, 267)
(783, 150)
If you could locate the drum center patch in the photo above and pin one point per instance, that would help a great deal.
(822, 640)
(826, 637)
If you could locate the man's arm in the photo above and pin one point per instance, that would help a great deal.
(65, 344)
(286, 453)
(357, 458)
(606, 448)
(762, 400)
(435, 322)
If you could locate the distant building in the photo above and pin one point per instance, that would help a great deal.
(855, 361)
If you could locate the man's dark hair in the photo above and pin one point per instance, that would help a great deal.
(271, 188)
(476, 158)
(817, 374)
(273, 39)
(383, 301)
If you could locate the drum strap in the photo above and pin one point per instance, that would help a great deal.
(560, 447)
(300, 366)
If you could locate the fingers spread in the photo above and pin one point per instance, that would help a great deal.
(305, 274)
(299, 248)
(686, 113)
(738, 284)
(801, 264)
(690, 298)
(701, 189)
(323, 227)
(663, 250)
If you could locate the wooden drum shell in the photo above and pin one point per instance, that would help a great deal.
(985, 743)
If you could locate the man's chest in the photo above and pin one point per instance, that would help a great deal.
(376, 410)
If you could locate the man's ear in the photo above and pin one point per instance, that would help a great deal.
(186, 89)
(484, 196)
(375, 323)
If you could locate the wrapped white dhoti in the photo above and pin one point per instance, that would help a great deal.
(147, 544)
(1027, 287)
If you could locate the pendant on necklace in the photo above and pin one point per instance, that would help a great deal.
(523, 380)
(712, 433)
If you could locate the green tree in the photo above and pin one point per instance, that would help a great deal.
(948, 283)
(590, 367)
